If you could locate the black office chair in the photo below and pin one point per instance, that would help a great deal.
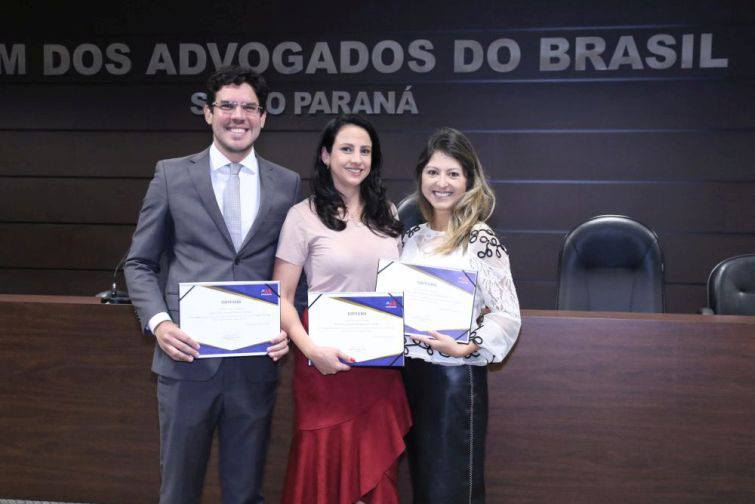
(731, 287)
(409, 213)
(611, 263)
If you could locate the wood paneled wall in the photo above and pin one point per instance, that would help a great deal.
(674, 149)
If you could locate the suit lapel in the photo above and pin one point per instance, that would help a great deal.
(199, 171)
(268, 182)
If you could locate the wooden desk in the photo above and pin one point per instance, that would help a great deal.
(590, 407)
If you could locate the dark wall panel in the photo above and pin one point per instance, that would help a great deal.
(538, 295)
(85, 200)
(690, 156)
(690, 258)
(527, 155)
(93, 154)
(674, 149)
(655, 105)
(52, 282)
(651, 156)
(55, 246)
(145, 17)
(682, 298)
(71, 250)
(665, 207)
(709, 207)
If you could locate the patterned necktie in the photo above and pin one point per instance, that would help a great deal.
(232, 205)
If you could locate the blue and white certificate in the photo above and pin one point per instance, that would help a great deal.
(436, 299)
(230, 319)
(367, 326)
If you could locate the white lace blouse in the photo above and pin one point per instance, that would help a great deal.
(498, 330)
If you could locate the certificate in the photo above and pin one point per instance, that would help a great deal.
(437, 299)
(230, 319)
(368, 326)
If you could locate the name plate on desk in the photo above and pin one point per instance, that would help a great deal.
(436, 299)
(230, 319)
(368, 326)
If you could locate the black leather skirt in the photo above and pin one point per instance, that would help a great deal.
(446, 445)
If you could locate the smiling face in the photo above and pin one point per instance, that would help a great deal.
(234, 133)
(443, 182)
(350, 158)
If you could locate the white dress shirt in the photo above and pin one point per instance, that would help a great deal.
(249, 182)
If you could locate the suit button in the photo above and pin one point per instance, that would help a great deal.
(236, 261)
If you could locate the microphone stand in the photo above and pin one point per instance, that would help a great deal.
(114, 296)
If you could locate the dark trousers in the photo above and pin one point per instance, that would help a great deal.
(446, 445)
(190, 411)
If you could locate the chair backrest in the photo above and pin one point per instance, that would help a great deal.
(731, 286)
(409, 213)
(611, 263)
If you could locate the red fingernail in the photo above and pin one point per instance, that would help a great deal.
(353, 359)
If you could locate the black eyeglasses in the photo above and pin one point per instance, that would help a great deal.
(227, 107)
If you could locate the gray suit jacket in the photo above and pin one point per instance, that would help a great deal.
(180, 222)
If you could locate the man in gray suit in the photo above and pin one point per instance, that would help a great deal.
(212, 216)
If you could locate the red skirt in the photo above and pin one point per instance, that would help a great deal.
(348, 434)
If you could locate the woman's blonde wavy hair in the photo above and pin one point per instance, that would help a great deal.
(476, 204)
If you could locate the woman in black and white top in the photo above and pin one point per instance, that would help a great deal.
(446, 381)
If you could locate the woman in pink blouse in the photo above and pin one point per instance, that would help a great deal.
(349, 423)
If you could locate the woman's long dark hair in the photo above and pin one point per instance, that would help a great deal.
(328, 202)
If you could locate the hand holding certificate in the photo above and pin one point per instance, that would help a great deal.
(230, 319)
(368, 326)
(436, 299)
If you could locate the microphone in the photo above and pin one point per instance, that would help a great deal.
(114, 296)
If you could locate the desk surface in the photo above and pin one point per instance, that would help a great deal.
(89, 300)
(589, 407)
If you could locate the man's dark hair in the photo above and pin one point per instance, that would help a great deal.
(237, 75)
